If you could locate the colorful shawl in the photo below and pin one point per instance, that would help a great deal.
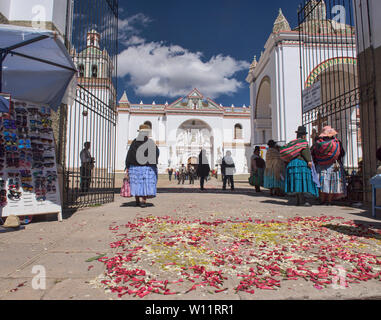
(275, 166)
(326, 151)
(293, 149)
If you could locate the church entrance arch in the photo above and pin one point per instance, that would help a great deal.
(263, 112)
(193, 162)
(192, 136)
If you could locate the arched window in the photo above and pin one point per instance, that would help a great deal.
(81, 70)
(238, 132)
(94, 71)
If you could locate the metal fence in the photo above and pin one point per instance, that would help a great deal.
(330, 81)
(369, 88)
(89, 174)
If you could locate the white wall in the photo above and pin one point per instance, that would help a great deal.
(363, 24)
(36, 10)
(122, 136)
(290, 94)
(5, 8)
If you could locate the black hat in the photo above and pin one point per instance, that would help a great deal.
(271, 143)
(302, 130)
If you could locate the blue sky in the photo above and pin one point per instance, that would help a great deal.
(169, 47)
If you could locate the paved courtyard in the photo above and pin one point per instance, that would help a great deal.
(188, 244)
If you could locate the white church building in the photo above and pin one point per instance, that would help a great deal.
(276, 84)
(182, 128)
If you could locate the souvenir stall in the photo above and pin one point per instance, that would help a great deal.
(36, 75)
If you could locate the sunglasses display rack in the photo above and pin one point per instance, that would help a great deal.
(28, 172)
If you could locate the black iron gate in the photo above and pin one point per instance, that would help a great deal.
(330, 81)
(87, 135)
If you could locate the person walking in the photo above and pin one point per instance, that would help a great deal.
(87, 166)
(141, 166)
(182, 174)
(258, 166)
(170, 172)
(299, 180)
(191, 175)
(328, 154)
(203, 168)
(275, 170)
(228, 170)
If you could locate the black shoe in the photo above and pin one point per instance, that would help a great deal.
(143, 205)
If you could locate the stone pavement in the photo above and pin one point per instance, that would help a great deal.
(63, 248)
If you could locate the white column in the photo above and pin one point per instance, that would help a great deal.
(276, 116)
(253, 102)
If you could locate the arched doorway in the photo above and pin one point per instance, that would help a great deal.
(192, 136)
(263, 112)
(340, 107)
(193, 162)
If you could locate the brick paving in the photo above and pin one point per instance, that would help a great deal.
(63, 248)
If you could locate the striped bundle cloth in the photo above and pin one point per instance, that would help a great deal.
(293, 149)
(326, 152)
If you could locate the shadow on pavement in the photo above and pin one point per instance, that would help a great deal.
(290, 202)
(133, 204)
(8, 230)
(361, 230)
(207, 191)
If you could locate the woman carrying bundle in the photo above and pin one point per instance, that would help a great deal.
(141, 167)
(299, 178)
(328, 153)
(275, 170)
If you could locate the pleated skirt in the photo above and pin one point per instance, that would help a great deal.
(332, 181)
(143, 181)
(299, 179)
(270, 182)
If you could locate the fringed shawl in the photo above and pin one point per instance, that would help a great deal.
(274, 164)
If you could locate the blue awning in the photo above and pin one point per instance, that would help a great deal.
(4, 105)
(36, 65)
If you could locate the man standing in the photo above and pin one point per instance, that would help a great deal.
(87, 166)
(228, 169)
(191, 175)
(182, 174)
(170, 172)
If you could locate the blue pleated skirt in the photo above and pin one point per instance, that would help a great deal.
(143, 181)
(270, 182)
(299, 179)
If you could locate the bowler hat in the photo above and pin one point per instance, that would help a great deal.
(302, 130)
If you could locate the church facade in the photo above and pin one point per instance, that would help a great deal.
(276, 83)
(182, 128)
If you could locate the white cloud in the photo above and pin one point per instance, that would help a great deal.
(129, 29)
(156, 69)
